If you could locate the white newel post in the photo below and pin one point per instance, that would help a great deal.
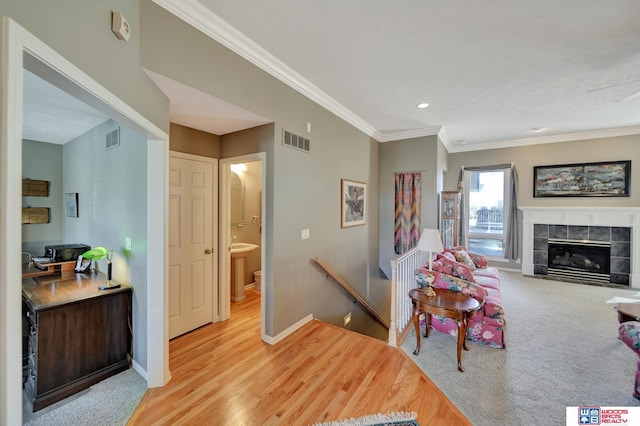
(393, 321)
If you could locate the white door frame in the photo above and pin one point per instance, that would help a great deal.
(224, 261)
(15, 42)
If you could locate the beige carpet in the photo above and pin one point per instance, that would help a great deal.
(109, 403)
(562, 350)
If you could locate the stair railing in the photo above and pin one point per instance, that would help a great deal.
(337, 278)
(402, 281)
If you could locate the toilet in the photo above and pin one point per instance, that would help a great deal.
(257, 278)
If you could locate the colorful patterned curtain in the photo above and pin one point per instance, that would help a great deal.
(407, 211)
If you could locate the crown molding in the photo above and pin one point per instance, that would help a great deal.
(444, 138)
(565, 137)
(406, 134)
(201, 18)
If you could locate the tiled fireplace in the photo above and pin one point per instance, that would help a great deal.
(591, 245)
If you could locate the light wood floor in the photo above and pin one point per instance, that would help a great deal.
(223, 374)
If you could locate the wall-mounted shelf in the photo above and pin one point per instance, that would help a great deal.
(31, 215)
(35, 188)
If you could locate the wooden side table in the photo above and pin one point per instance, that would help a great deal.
(457, 306)
(628, 312)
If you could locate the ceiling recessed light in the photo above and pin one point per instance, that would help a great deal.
(423, 105)
(537, 129)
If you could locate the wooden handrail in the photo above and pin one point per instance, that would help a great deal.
(333, 274)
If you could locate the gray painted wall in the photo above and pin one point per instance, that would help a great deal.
(112, 192)
(411, 155)
(193, 141)
(80, 31)
(43, 161)
(303, 189)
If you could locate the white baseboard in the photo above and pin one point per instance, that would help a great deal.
(508, 269)
(273, 340)
(141, 371)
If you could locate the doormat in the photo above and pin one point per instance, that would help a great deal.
(391, 419)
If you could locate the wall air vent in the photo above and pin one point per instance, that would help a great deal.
(113, 139)
(294, 141)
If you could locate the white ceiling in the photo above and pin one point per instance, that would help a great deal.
(198, 110)
(491, 71)
(52, 115)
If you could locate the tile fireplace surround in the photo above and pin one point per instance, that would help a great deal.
(624, 217)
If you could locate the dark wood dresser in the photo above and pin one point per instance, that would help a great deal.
(78, 334)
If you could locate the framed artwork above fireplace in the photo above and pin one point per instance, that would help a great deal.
(603, 179)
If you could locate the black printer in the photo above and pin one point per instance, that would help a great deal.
(65, 252)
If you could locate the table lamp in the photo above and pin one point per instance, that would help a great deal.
(430, 241)
(99, 253)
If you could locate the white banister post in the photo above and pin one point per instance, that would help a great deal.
(393, 323)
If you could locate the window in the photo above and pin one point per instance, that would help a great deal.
(488, 199)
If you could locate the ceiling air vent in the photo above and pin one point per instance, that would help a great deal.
(113, 139)
(294, 141)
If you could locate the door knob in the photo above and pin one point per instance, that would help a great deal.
(207, 251)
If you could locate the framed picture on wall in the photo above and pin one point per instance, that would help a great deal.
(72, 204)
(603, 179)
(353, 203)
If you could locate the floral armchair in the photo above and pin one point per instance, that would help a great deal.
(629, 333)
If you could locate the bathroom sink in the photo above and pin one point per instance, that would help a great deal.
(240, 250)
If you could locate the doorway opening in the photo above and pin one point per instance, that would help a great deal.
(22, 49)
(242, 240)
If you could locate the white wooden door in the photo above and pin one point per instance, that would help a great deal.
(192, 229)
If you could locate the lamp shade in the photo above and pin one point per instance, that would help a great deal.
(95, 254)
(430, 241)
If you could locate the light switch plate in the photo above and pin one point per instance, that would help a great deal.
(305, 234)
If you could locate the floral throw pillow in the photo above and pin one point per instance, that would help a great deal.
(440, 266)
(463, 257)
(479, 260)
(459, 269)
(447, 255)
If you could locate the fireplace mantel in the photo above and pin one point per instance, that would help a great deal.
(628, 217)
